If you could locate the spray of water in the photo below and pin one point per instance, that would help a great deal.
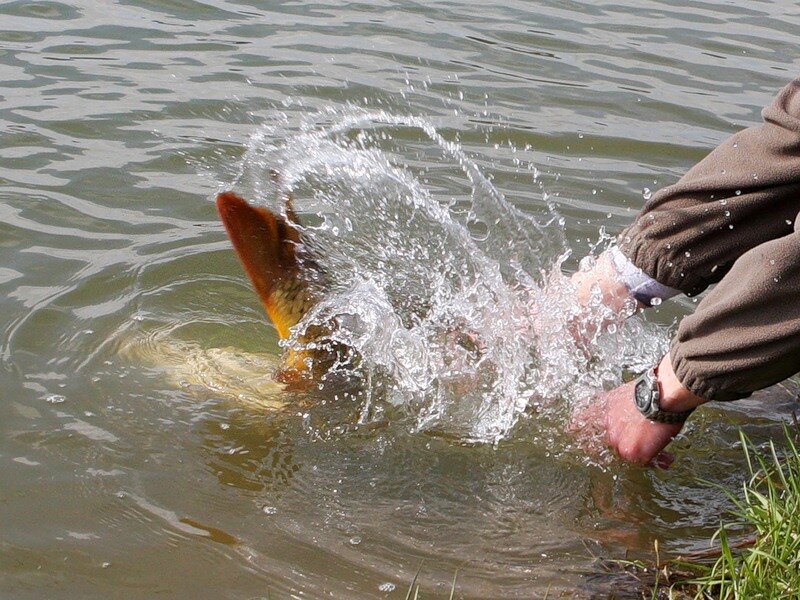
(451, 299)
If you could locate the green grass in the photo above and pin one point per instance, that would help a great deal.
(766, 564)
(763, 564)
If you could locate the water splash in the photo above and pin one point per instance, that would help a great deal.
(451, 298)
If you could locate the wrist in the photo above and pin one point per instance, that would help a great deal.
(675, 397)
(601, 283)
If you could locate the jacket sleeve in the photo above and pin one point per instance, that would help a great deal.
(745, 334)
(744, 193)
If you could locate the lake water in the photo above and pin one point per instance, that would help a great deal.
(144, 448)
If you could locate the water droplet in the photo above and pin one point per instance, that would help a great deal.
(594, 192)
(738, 192)
(387, 587)
(730, 226)
(727, 213)
(735, 145)
(647, 193)
(269, 510)
(355, 540)
(688, 254)
(106, 564)
(656, 301)
(772, 261)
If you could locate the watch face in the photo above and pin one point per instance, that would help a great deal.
(642, 395)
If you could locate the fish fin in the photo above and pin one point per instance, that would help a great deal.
(267, 245)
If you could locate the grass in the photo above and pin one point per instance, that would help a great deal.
(764, 564)
(767, 563)
(414, 587)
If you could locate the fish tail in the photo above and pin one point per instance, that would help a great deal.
(267, 245)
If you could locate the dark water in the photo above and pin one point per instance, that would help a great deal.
(118, 124)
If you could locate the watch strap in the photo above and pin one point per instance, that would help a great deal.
(665, 416)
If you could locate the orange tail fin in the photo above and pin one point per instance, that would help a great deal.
(267, 246)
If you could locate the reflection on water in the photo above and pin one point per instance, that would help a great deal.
(145, 449)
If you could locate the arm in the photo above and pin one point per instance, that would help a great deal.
(730, 218)
(744, 336)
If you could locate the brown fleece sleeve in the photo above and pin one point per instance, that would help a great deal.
(746, 192)
(745, 335)
(733, 219)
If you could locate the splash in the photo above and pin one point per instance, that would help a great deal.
(450, 298)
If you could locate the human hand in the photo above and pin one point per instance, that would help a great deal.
(634, 437)
(613, 416)
(613, 421)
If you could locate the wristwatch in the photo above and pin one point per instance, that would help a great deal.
(647, 396)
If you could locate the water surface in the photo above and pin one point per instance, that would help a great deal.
(140, 454)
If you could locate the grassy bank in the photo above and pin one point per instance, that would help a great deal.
(766, 564)
(763, 563)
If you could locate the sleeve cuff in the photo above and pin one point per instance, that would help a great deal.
(691, 377)
(640, 285)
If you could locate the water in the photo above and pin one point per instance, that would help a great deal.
(145, 447)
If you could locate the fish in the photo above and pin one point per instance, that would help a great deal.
(290, 283)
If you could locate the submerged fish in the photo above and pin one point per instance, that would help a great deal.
(437, 366)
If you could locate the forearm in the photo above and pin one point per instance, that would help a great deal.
(601, 284)
(612, 290)
(675, 397)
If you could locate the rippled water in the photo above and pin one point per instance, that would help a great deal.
(141, 452)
